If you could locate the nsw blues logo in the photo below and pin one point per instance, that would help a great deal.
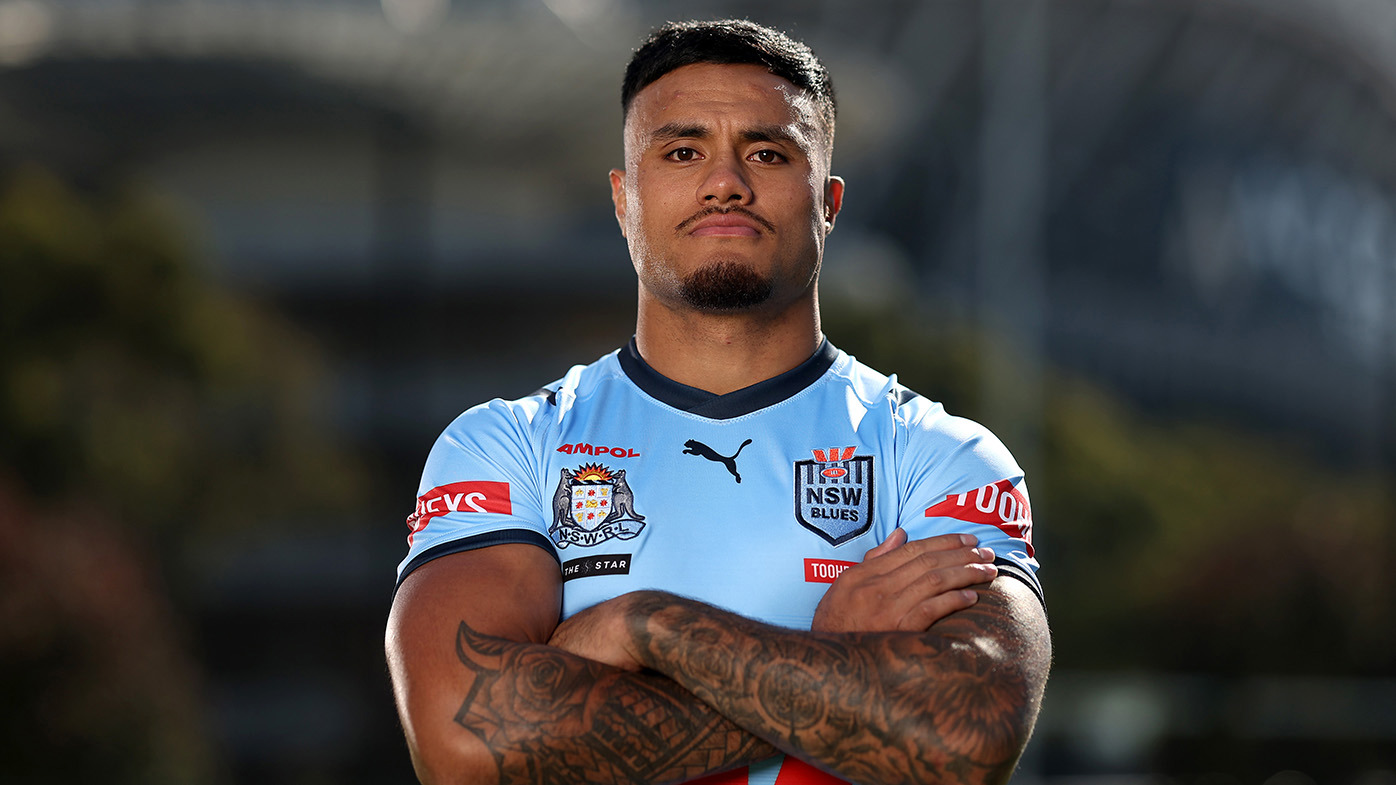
(592, 505)
(834, 494)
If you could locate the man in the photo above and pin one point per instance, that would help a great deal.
(694, 506)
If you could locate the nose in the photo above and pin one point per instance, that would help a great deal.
(725, 184)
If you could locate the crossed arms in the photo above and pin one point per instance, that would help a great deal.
(908, 676)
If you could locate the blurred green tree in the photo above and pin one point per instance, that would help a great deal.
(140, 406)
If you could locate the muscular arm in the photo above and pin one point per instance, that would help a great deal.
(483, 699)
(953, 704)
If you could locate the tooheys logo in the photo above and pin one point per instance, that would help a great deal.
(471, 496)
(999, 504)
(825, 570)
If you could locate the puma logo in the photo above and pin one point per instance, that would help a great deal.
(695, 447)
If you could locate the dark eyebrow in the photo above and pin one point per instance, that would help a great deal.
(769, 133)
(760, 133)
(671, 131)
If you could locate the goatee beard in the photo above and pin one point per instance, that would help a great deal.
(725, 286)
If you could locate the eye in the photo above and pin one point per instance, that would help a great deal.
(682, 154)
(768, 156)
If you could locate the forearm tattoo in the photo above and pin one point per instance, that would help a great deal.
(550, 718)
(951, 705)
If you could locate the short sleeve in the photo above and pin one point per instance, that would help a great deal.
(959, 478)
(479, 486)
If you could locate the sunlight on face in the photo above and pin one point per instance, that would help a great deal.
(726, 199)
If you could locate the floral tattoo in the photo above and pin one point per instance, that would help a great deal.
(954, 704)
(550, 718)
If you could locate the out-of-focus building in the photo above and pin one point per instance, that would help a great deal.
(1200, 194)
(1193, 203)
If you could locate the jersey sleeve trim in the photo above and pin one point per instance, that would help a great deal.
(1015, 570)
(501, 537)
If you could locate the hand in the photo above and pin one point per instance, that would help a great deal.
(905, 586)
(599, 633)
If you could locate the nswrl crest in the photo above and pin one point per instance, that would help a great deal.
(592, 505)
(834, 494)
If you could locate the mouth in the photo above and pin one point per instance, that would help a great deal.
(733, 223)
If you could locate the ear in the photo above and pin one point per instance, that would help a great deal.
(833, 201)
(618, 197)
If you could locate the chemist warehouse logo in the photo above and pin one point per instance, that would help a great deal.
(833, 494)
(1000, 505)
(472, 496)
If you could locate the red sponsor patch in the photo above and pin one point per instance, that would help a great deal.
(825, 570)
(470, 496)
(999, 504)
(793, 771)
(796, 772)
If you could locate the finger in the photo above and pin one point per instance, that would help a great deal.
(911, 579)
(894, 540)
(918, 567)
(907, 588)
(935, 582)
(943, 542)
(902, 592)
(930, 611)
(897, 557)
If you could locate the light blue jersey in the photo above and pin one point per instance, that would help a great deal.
(752, 501)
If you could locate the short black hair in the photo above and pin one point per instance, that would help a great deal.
(730, 42)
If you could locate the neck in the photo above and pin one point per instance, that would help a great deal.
(721, 353)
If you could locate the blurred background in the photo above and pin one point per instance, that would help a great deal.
(256, 254)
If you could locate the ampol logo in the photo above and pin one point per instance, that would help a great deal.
(1000, 505)
(583, 448)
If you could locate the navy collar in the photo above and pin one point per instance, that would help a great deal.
(734, 404)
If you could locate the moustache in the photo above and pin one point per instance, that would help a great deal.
(707, 211)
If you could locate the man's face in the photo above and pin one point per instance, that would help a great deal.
(726, 198)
